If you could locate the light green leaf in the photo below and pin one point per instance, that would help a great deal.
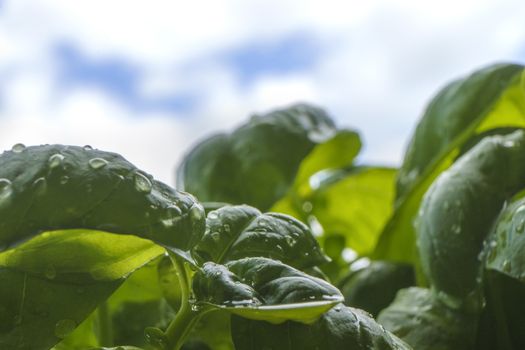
(264, 289)
(490, 98)
(51, 283)
(61, 187)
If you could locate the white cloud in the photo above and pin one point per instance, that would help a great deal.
(380, 63)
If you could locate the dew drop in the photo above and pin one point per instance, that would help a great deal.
(307, 207)
(291, 242)
(226, 228)
(196, 212)
(142, 183)
(64, 327)
(87, 148)
(97, 163)
(55, 160)
(521, 226)
(173, 210)
(64, 179)
(213, 215)
(215, 236)
(18, 147)
(456, 229)
(40, 185)
(506, 266)
(50, 272)
(156, 338)
(6, 189)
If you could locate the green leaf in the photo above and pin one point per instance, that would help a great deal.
(51, 283)
(374, 287)
(59, 187)
(490, 98)
(337, 152)
(235, 232)
(257, 163)
(264, 289)
(506, 245)
(340, 328)
(421, 320)
(212, 330)
(458, 211)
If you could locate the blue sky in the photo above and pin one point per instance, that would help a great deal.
(150, 81)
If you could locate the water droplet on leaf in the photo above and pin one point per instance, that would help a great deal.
(6, 190)
(87, 148)
(156, 338)
(97, 163)
(64, 327)
(142, 183)
(18, 147)
(40, 185)
(50, 272)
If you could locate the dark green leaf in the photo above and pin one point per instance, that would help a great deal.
(418, 318)
(489, 98)
(258, 162)
(458, 211)
(264, 289)
(374, 287)
(235, 232)
(341, 328)
(59, 187)
(506, 245)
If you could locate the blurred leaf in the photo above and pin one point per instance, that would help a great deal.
(264, 289)
(340, 328)
(424, 323)
(490, 98)
(374, 287)
(258, 162)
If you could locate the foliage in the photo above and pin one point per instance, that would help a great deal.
(96, 254)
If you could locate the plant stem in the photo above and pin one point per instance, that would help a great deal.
(105, 326)
(186, 317)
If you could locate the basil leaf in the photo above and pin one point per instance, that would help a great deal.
(257, 163)
(458, 211)
(51, 283)
(505, 246)
(235, 232)
(340, 328)
(490, 98)
(59, 187)
(264, 289)
(425, 323)
(374, 287)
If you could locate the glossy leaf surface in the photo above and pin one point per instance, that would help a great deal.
(421, 320)
(59, 187)
(340, 328)
(490, 98)
(459, 210)
(235, 232)
(264, 289)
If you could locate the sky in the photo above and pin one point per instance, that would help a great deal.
(149, 79)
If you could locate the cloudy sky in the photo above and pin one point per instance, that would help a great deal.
(147, 79)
